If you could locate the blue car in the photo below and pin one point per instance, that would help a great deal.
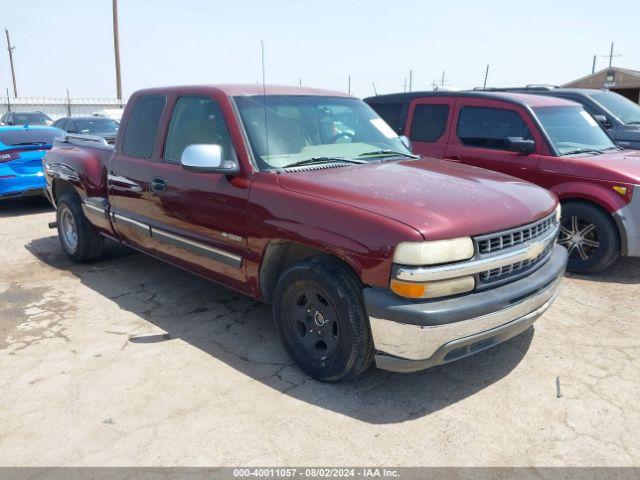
(21, 152)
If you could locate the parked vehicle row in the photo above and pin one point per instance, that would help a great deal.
(308, 200)
(25, 118)
(547, 140)
(89, 125)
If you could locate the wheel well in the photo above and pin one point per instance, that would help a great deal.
(62, 187)
(599, 207)
(280, 255)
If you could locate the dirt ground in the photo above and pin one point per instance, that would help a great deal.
(130, 361)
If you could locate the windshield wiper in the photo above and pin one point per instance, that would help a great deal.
(387, 153)
(583, 150)
(316, 160)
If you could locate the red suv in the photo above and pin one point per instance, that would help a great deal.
(549, 141)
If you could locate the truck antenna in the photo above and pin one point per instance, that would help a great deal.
(264, 98)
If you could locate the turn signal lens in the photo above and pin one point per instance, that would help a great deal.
(443, 288)
(621, 190)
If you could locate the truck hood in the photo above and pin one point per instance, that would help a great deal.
(618, 166)
(439, 199)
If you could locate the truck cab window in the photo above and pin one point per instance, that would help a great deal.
(196, 120)
(142, 126)
(429, 122)
(490, 127)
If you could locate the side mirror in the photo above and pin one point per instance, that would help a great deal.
(602, 120)
(406, 142)
(521, 145)
(205, 158)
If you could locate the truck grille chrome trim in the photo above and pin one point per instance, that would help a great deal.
(515, 258)
(487, 244)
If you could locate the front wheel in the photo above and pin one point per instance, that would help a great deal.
(590, 236)
(77, 237)
(320, 315)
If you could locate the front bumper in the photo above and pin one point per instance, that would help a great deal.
(628, 220)
(413, 336)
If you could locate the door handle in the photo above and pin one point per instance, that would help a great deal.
(158, 184)
(455, 158)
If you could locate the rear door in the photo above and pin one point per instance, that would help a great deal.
(129, 170)
(428, 123)
(480, 132)
(199, 219)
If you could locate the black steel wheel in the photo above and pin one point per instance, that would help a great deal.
(320, 315)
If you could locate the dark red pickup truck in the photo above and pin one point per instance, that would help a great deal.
(308, 200)
(549, 141)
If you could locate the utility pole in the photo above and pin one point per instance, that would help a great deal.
(375, 92)
(593, 67)
(13, 70)
(486, 75)
(611, 55)
(68, 104)
(300, 82)
(8, 101)
(442, 83)
(116, 48)
(349, 85)
(410, 80)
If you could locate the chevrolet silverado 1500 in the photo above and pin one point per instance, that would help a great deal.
(308, 200)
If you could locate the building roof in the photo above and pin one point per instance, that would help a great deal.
(518, 98)
(622, 78)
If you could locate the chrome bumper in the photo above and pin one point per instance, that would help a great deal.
(628, 220)
(432, 340)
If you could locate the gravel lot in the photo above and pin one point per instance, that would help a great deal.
(130, 361)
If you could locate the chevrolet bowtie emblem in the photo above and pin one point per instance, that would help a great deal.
(535, 249)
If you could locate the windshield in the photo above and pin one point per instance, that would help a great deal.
(96, 125)
(623, 108)
(30, 119)
(22, 136)
(304, 128)
(572, 130)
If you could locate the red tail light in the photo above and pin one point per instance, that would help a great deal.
(8, 156)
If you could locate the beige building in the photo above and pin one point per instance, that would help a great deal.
(624, 81)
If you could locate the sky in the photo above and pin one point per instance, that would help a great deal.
(68, 44)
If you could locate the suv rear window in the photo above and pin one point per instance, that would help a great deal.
(142, 126)
(429, 122)
(490, 127)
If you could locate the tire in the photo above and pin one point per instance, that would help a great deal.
(72, 223)
(591, 237)
(320, 316)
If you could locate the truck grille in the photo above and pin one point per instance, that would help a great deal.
(494, 244)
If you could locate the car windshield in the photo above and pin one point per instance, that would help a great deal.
(572, 130)
(314, 129)
(623, 108)
(23, 136)
(96, 125)
(35, 118)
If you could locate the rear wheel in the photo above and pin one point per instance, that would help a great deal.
(78, 239)
(590, 237)
(320, 315)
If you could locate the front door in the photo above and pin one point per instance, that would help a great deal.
(480, 136)
(198, 220)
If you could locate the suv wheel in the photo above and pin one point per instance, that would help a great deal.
(78, 239)
(320, 315)
(590, 236)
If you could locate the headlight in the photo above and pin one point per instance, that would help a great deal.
(442, 288)
(433, 252)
